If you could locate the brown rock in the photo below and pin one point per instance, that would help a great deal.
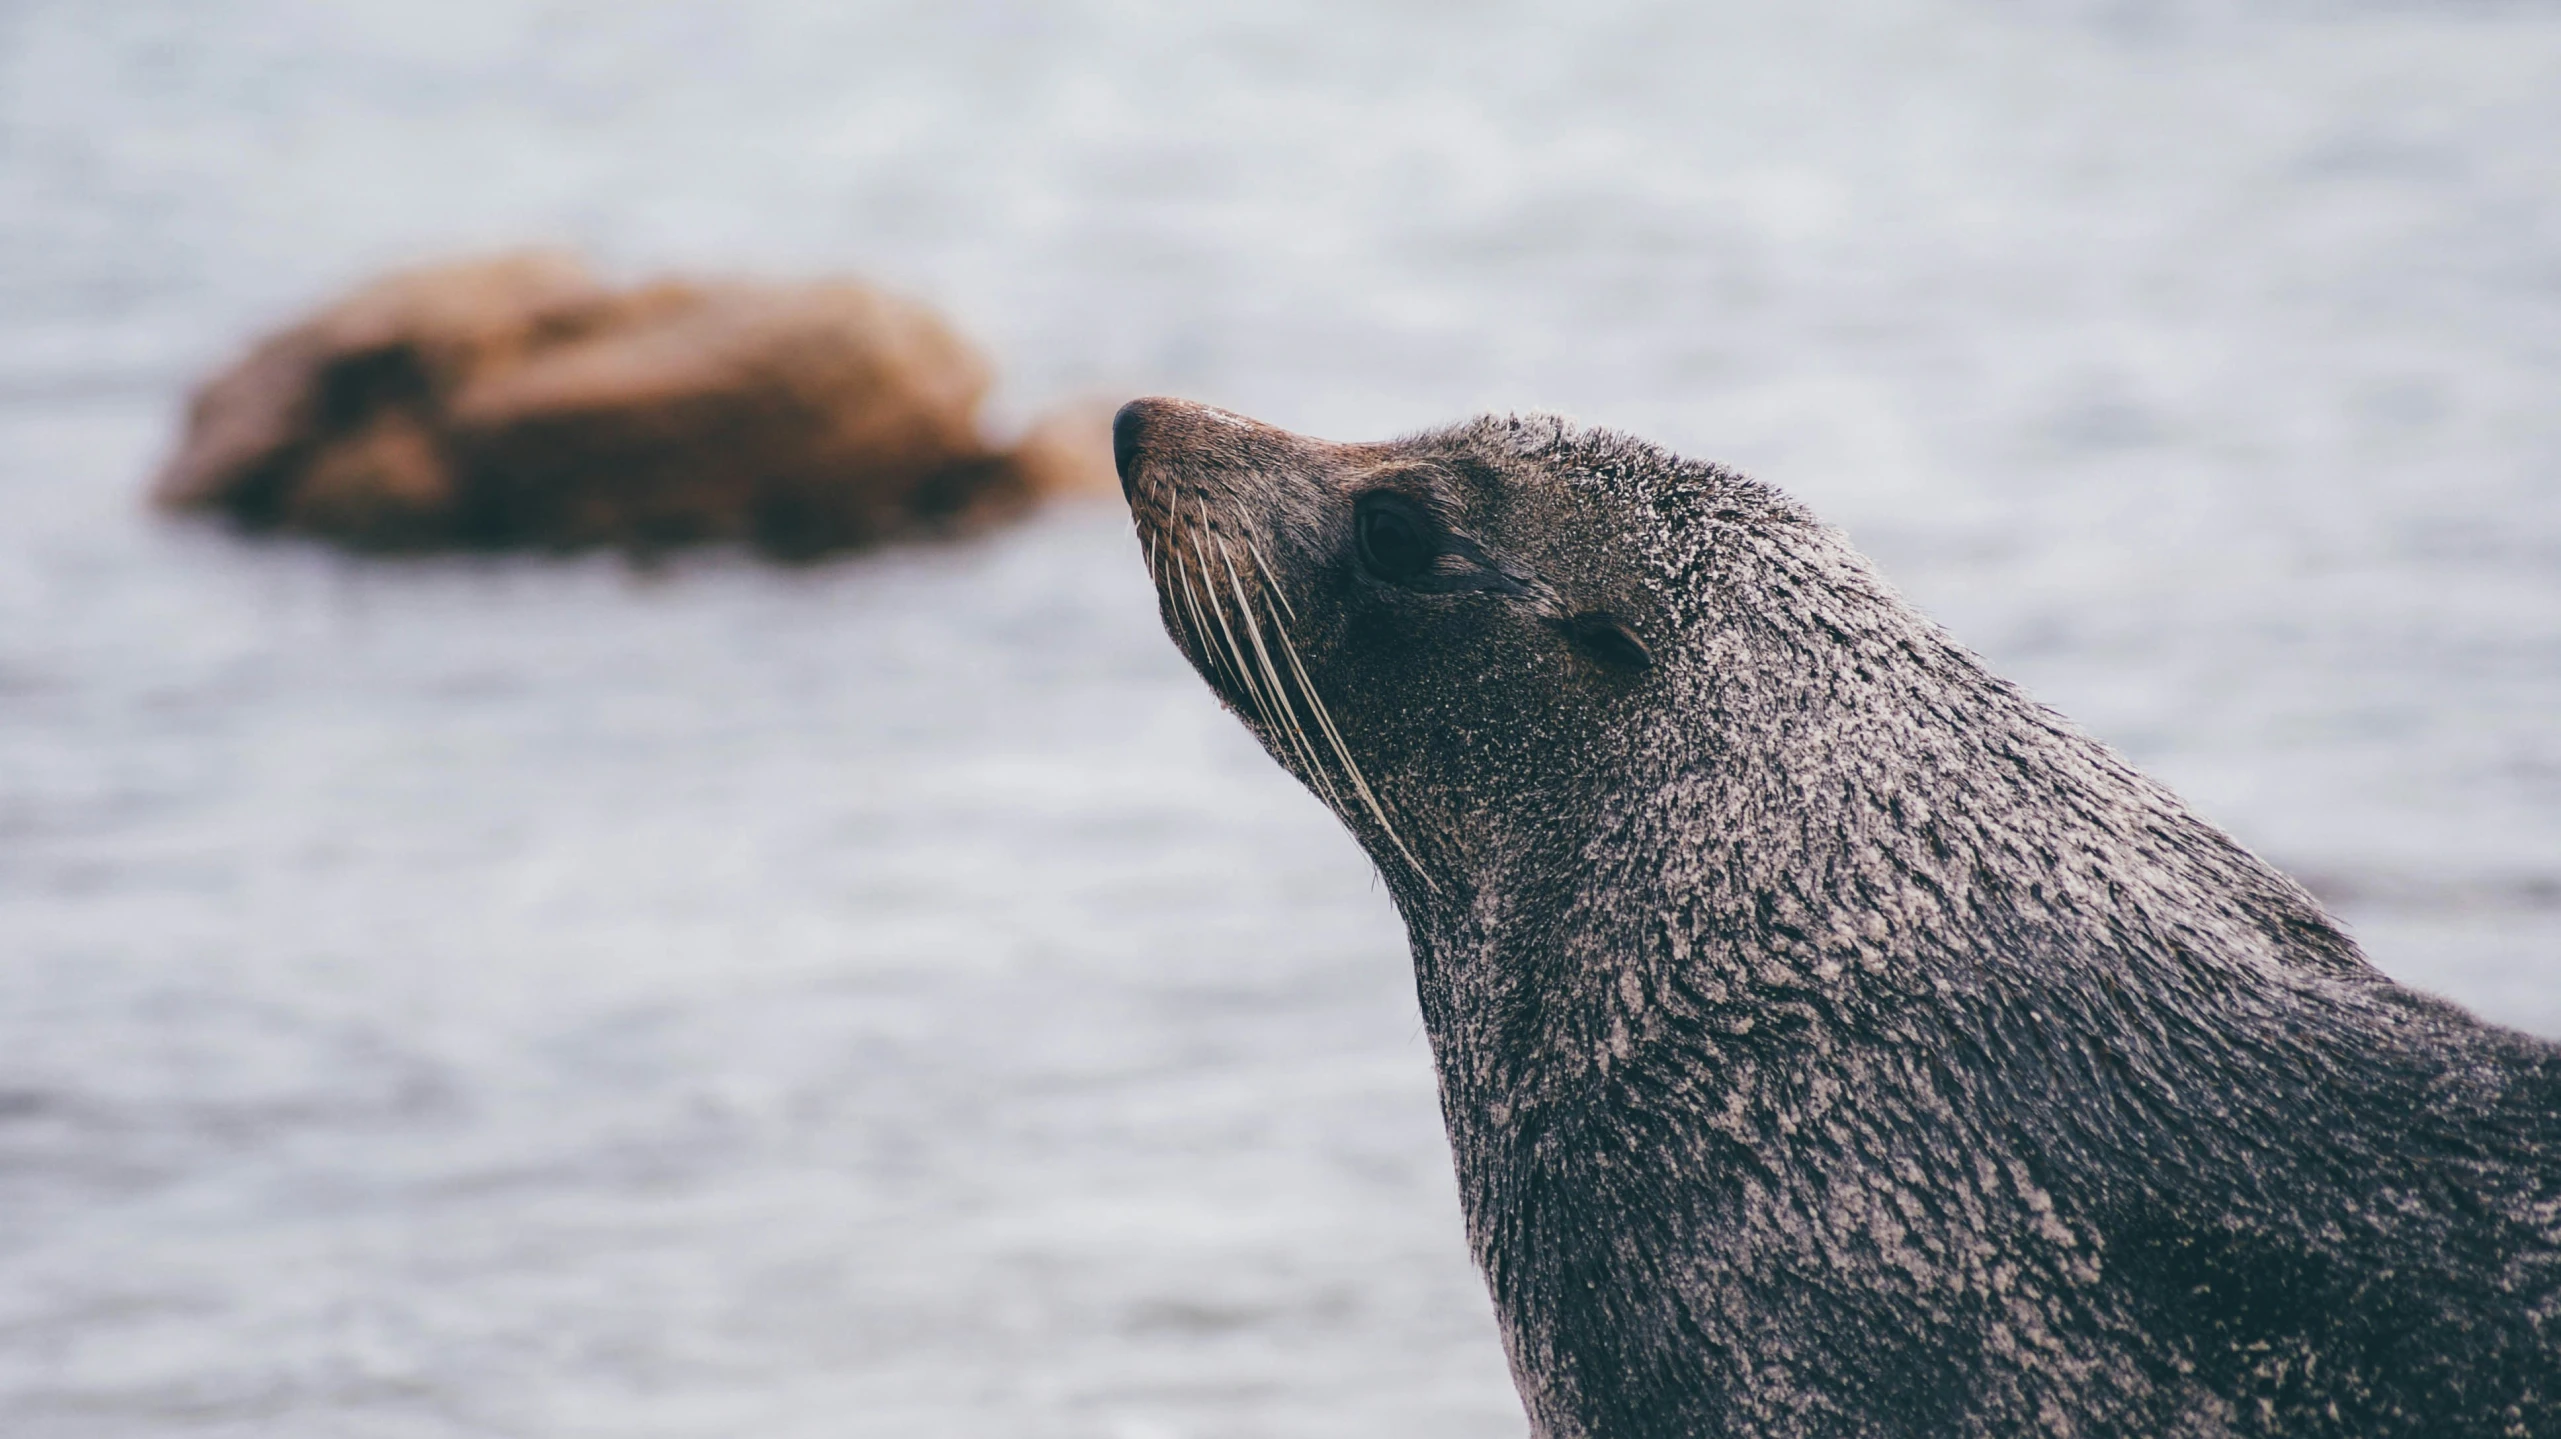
(519, 402)
(380, 486)
(253, 430)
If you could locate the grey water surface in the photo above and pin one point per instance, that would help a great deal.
(533, 997)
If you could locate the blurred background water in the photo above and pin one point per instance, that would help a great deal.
(517, 997)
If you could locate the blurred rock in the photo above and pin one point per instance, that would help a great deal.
(518, 401)
(1068, 453)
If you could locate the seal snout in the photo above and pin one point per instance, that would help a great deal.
(1129, 436)
(1156, 428)
(1149, 424)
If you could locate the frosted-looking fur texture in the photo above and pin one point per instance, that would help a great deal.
(1832, 1040)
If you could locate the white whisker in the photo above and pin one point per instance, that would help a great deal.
(1189, 611)
(1271, 590)
(1191, 600)
(1296, 732)
(1235, 652)
(1342, 751)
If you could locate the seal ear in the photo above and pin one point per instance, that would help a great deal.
(1606, 638)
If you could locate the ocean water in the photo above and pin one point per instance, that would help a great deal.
(521, 997)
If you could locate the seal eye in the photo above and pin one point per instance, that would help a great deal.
(1396, 543)
(1606, 638)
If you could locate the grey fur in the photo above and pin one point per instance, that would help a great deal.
(1833, 1041)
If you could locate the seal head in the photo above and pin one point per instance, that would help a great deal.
(1832, 1040)
(1505, 635)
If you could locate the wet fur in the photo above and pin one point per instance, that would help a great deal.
(1833, 1041)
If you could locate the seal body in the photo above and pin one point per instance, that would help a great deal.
(1831, 1040)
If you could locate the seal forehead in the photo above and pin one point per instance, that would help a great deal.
(1628, 495)
(1538, 433)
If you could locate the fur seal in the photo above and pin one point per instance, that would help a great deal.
(1833, 1041)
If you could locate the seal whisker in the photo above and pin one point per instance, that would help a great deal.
(1186, 613)
(1189, 612)
(1288, 717)
(1218, 609)
(1200, 623)
(1332, 796)
(1179, 588)
(1290, 722)
(1278, 604)
(1343, 752)
(1271, 590)
(1235, 652)
(1177, 552)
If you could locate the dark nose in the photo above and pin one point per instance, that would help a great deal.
(1129, 432)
